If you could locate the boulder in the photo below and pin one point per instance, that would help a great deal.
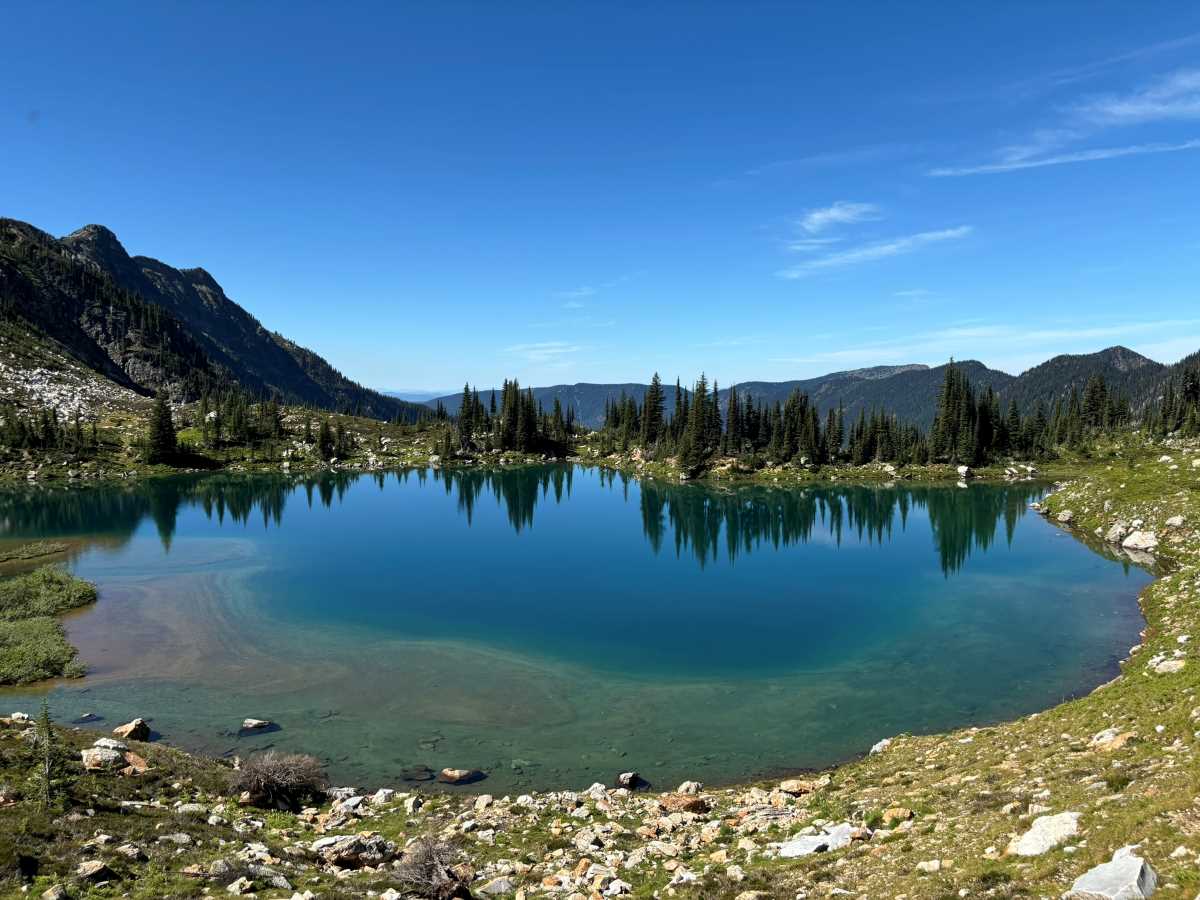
(256, 724)
(1116, 532)
(1065, 516)
(1175, 522)
(690, 787)
(692, 803)
(55, 892)
(100, 759)
(632, 781)
(352, 851)
(880, 746)
(835, 838)
(110, 744)
(94, 870)
(800, 786)
(1169, 666)
(964, 471)
(137, 730)
(1140, 540)
(460, 776)
(1110, 739)
(1126, 877)
(1046, 833)
(497, 887)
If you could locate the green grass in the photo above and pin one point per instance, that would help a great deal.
(47, 591)
(33, 645)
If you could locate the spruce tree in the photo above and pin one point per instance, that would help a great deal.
(161, 443)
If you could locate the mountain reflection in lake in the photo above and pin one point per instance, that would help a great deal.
(704, 523)
(553, 625)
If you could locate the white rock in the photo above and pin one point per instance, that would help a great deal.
(1170, 666)
(1175, 522)
(835, 838)
(1046, 833)
(1140, 540)
(1065, 516)
(1127, 877)
(880, 746)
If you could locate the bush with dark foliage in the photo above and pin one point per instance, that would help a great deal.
(287, 781)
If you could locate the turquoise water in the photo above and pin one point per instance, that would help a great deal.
(554, 626)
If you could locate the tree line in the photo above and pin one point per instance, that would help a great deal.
(969, 427)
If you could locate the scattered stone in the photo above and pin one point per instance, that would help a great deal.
(680, 802)
(1126, 877)
(1175, 522)
(242, 886)
(632, 781)
(55, 892)
(1046, 833)
(1065, 516)
(880, 746)
(690, 787)
(799, 786)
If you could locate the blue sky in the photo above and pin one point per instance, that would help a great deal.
(429, 193)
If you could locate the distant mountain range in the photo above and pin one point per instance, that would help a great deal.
(909, 391)
(149, 326)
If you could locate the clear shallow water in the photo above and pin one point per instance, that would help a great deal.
(555, 626)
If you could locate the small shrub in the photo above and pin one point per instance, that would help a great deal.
(432, 870)
(281, 780)
(34, 650)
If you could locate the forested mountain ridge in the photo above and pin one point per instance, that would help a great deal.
(1135, 376)
(149, 326)
(908, 391)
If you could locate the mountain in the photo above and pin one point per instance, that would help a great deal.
(149, 326)
(910, 391)
(1139, 378)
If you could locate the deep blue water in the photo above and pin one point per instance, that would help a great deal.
(555, 625)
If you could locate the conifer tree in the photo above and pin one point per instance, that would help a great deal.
(161, 443)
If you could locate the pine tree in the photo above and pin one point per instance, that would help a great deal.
(161, 443)
(325, 445)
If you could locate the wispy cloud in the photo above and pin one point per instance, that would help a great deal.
(850, 156)
(544, 351)
(875, 251)
(808, 245)
(843, 212)
(1174, 97)
(912, 293)
(1061, 159)
(576, 294)
(1075, 74)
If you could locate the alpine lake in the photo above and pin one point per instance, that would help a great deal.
(554, 625)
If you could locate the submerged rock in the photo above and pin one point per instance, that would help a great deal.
(460, 776)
